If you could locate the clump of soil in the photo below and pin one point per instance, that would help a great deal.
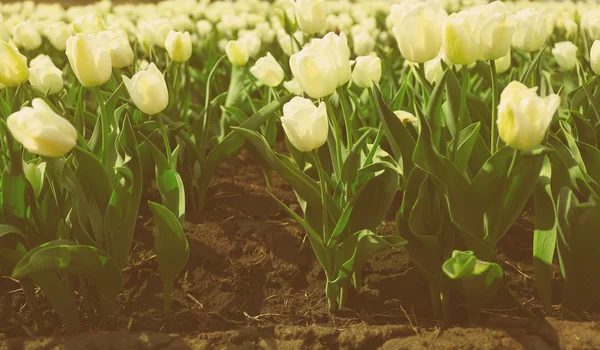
(252, 280)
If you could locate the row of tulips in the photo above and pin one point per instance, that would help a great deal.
(471, 112)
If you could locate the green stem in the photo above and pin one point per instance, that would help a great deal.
(103, 124)
(461, 110)
(323, 187)
(347, 116)
(207, 105)
(513, 161)
(494, 132)
(337, 162)
(165, 137)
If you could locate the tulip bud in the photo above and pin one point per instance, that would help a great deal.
(236, 53)
(90, 59)
(179, 46)
(89, 24)
(26, 36)
(305, 125)
(154, 33)
(496, 28)
(460, 37)
(35, 176)
(565, 53)
(496, 35)
(523, 116)
(293, 87)
(593, 27)
(121, 54)
(311, 15)
(363, 44)
(41, 131)
(315, 71)
(287, 43)
(265, 32)
(531, 32)
(419, 31)
(14, 70)
(148, 90)
(503, 63)
(58, 33)
(336, 46)
(595, 57)
(434, 70)
(44, 76)
(268, 71)
(366, 71)
(252, 43)
(407, 118)
(204, 28)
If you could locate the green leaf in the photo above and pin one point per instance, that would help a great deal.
(365, 246)
(479, 280)
(7, 231)
(306, 187)
(93, 176)
(122, 212)
(400, 140)
(81, 260)
(172, 249)
(316, 240)
(168, 182)
(14, 198)
(233, 142)
(578, 252)
(374, 201)
(467, 139)
(515, 193)
(585, 131)
(544, 237)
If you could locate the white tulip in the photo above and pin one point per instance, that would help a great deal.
(595, 57)
(237, 53)
(531, 32)
(89, 24)
(268, 71)
(121, 53)
(90, 59)
(366, 71)
(41, 131)
(311, 15)
(293, 87)
(523, 116)
(418, 30)
(179, 46)
(44, 76)
(364, 44)
(565, 53)
(25, 35)
(148, 90)
(58, 33)
(305, 125)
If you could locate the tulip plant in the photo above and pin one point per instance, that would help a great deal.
(469, 115)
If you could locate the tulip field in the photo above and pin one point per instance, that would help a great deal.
(300, 174)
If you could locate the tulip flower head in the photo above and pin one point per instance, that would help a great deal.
(565, 53)
(311, 15)
(305, 124)
(13, 65)
(44, 76)
(523, 116)
(148, 90)
(268, 71)
(41, 131)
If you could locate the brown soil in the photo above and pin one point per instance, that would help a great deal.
(252, 281)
